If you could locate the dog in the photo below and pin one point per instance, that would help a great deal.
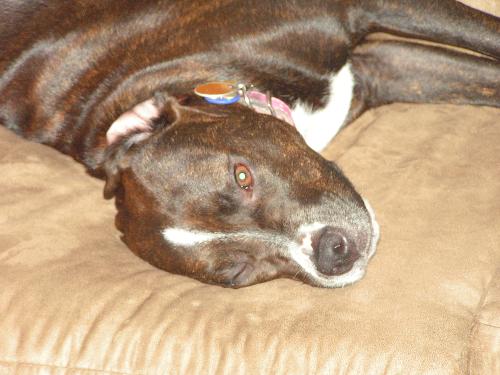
(206, 118)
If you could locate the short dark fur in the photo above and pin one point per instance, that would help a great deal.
(68, 69)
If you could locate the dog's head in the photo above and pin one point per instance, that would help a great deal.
(232, 197)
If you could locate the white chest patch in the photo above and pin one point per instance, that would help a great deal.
(319, 127)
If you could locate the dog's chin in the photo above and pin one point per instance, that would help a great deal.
(356, 273)
(311, 275)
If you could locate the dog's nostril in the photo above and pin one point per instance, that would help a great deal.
(333, 252)
(335, 243)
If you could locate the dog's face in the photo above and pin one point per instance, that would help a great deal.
(232, 197)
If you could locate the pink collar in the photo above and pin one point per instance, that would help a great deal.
(266, 104)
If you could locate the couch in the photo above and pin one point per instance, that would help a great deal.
(75, 300)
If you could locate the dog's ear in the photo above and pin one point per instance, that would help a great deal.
(132, 127)
(116, 160)
(144, 118)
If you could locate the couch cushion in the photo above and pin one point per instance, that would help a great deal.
(74, 300)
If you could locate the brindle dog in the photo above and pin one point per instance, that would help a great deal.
(225, 194)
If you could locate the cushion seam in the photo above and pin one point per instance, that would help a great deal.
(482, 300)
(41, 365)
(476, 320)
(487, 324)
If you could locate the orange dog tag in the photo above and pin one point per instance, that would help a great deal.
(218, 92)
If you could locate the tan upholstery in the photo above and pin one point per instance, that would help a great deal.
(74, 300)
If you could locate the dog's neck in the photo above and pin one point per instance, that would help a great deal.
(317, 127)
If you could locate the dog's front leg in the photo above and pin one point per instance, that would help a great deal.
(395, 71)
(443, 21)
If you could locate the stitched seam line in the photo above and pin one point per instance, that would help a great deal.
(488, 324)
(56, 367)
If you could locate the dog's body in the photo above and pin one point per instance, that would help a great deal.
(222, 193)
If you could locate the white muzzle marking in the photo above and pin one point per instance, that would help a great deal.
(375, 229)
(190, 238)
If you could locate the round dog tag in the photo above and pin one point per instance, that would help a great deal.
(218, 92)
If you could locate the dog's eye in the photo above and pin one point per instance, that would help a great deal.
(243, 176)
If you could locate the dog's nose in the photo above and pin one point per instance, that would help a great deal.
(334, 253)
